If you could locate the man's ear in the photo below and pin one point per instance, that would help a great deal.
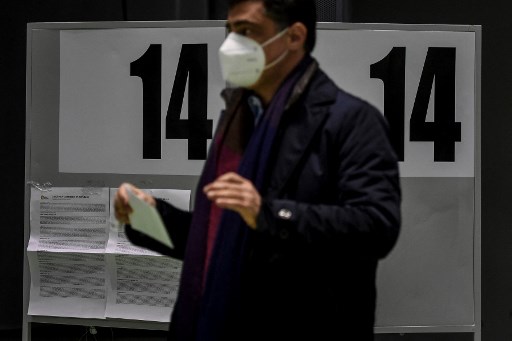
(297, 34)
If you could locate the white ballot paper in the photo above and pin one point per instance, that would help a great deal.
(118, 243)
(146, 219)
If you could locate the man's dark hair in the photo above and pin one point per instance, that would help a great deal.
(286, 12)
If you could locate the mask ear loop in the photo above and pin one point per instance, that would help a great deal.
(277, 60)
(282, 56)
(274, 38)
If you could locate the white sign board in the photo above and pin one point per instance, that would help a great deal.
(124, 108)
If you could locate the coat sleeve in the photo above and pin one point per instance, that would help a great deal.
(365, 214)
(177, 223)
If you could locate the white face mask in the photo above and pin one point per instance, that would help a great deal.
(242, 59)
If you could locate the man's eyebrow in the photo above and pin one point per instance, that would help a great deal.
(238, 23)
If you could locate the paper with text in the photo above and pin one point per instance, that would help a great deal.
(66, 252)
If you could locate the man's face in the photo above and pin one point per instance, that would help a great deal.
(248, 19)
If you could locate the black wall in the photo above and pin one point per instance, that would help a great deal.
(12, 160)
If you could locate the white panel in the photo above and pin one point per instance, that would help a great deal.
(101, 104)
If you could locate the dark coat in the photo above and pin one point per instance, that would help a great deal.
(330, 211)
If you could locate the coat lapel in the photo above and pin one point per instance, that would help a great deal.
(299, 126)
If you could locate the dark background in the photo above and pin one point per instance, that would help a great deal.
(496, 136)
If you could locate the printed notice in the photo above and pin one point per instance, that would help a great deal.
(82, 265)
(142, 287)
(67, 284)
(69, 219)
(66, 252)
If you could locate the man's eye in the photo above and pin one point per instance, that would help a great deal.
(245, 32)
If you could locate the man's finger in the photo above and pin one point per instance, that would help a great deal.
(227, 181)
(220, 185)
(122, 193)
(229, 203)
(225, 193)
(122, 208)
(231, 177)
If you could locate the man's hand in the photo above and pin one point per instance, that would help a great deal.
(235, 193)
(121, 205)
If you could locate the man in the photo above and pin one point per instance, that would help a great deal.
(298, 200)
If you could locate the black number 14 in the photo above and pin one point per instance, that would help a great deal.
(192, 65)
(444, 131)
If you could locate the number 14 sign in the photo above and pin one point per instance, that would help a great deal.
(147, 100)
(423, 82)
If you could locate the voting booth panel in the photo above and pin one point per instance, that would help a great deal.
(138, 102)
